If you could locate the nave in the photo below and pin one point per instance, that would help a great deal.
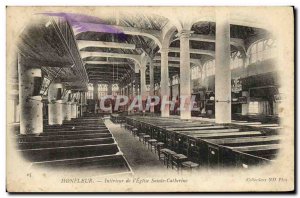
(84, 144)
(207, 144)
(75, 77)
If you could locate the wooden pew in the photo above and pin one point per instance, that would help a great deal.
(156, 128)
(81, 144)
(197, 128)
(231, 157)
(64, 143)
(193, 140)
(226, 135)
(265, 151)
(204, 152)
(244, 141)
(226, 152)
(209, 131)
(47, 133)
(180, 140)
(84, 121)
(76, 124)
(89, 166)
(60, 153)
(35, 138)
(246, 161)
(69, 127)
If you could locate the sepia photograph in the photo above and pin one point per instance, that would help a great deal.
(150, 99)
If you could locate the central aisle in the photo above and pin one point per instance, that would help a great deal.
(136, 153)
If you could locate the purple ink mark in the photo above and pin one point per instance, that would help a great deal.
(85, 23)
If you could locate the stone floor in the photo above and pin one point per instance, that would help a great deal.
(138, 156)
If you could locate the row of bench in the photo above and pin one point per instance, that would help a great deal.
(80, 144)
(210, 144)
(169, 158)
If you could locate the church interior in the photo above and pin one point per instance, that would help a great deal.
(67, 63)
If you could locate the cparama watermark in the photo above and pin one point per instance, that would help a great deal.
(183, 103)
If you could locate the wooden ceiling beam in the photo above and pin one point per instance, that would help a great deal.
(103, 73)
(170, 65)
(87, 43)
(194, 51)
(106, 69)
(116, 29)
(106, 63)
(177, 59)
(212, 39)
(134, 57)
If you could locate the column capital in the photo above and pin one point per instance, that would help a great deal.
(164, 50)
(184, 33)
(143, 68)
(36, 98)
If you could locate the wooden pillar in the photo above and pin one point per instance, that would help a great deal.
(223, 71)
(31, 106)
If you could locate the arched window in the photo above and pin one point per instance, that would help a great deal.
(102, 90)
(156, 87)
(236, 60)
(270, 48)
(193, 76)
(90, 93)
(175, 80)
(209, 67)
(115, 89)
(262, 50)
(195, 72)
(148, 87)
(253, 107)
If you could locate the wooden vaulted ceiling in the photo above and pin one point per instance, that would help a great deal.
(43, 42)
(142, 43)
(112, 73)
(121, 73)
(49, 43)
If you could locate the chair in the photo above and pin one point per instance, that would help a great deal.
(167, 154)
(158, 147)
(134, 131)
(177, 160)
(141, 135)
(162, 154)
(152, 143)
(146, 138)
(190, 166)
